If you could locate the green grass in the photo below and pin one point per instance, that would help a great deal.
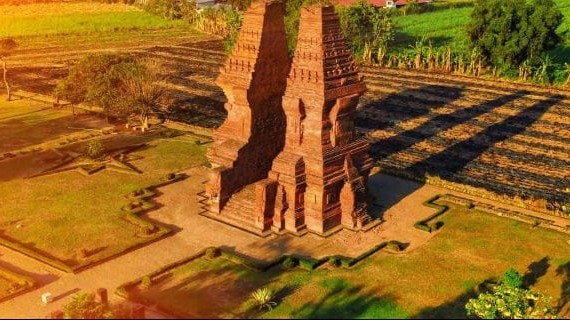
(442, 27)
(82, 23)
(448, 28)
(63, 213)
(433, 281)
(220, 288)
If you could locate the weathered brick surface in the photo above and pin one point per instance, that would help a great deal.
(291, 123)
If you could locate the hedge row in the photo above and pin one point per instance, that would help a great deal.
(25, 284)
(140, 204)
(288, 261)
(498, 211)
(304, 262)
(427, 224)
(507, 213)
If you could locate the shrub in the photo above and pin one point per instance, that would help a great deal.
(289, 263)
(512, 278)
(334, 261)
(394, 246)
(146, 282)
(508, 32)
(95, 148)
(309, 264)
(84, 306)
(120, 84)
(212, 253)
(263, 297)
(510, 300)
(369, 28)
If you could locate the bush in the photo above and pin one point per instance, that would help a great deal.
(334, 262)
(309, 264)
(508, 32)
(146, 282)
(367, 27)
(84, 306)
(95, 148)
(223, 22)
(120, 84)
(212, 253)
(394, 246)
(263, 298)
(289, 263)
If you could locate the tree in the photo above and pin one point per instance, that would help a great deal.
(366, 26)
(509, 300)
(7, 47)
(120, 84)
(144, 93)
(508, 32)
(84, 306)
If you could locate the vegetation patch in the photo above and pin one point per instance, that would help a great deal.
(37, 214)
(428, 224)
(435, 280)
(82, 17)
(231, 281)
(13, 284)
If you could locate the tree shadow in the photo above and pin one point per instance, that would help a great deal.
(535, 270)
(217, 292)
(455, 309)
(564, 271)
(32, 129)
(344, 301)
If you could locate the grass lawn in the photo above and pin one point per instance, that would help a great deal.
(82, 17)
(65, 213)
(433, 281)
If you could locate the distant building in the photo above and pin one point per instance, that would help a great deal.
(382, 3)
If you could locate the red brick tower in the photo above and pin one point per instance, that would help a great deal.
(323, 167)
(253, 80)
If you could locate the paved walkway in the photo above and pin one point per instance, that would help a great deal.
(180, 209)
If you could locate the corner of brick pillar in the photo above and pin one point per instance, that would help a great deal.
(265, 193)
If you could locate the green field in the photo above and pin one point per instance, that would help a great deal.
(433, 281)
(447, 28)
(74, 18)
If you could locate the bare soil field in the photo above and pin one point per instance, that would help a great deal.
(499, 140)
